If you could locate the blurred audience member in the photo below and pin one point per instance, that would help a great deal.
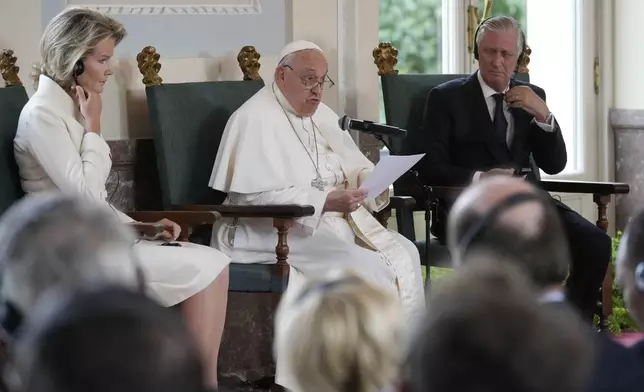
(340, 334)
(107, 339)
(485, 331)
(630, 272)
(52, 241)
(511, 217)
(514, 220)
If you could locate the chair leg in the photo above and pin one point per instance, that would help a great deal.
(281, 269)
(282, 249)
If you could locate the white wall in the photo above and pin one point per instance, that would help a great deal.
(347, 30)
(195, 43)
(201, 43)
(628, 54)
(20, 30)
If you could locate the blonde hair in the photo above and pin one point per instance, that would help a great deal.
(341, 335)
(70, 36)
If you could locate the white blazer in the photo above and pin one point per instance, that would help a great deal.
(55, 152)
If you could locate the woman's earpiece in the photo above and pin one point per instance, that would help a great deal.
(79, 68)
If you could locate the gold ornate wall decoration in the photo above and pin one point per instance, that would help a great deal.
(248, 59)
(523, 64)
(9, 69)
(149, 66)
(385, 56)
(596, 75)
(473, 21)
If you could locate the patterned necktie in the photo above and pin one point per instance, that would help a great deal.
(500, 122)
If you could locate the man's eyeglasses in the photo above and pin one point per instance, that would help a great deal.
(310, 82)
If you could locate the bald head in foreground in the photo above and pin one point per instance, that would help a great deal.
(285, 146)
(53, 241)
(514, 222)
(510, 216)
(486, 332)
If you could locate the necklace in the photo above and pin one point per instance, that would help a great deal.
(317, 182)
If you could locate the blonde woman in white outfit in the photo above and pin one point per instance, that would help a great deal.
(59, 146)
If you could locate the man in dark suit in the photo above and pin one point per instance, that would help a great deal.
(491, 124)
(521, 226)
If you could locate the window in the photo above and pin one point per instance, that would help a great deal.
(513, 8)
(429, 34)
(414, 27)
(561, 79)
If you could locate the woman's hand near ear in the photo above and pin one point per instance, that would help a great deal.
(91, 106)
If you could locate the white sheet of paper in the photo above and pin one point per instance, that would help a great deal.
(388, 170)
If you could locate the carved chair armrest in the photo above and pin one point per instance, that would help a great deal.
(281, 211)
(193, 218)
(186, 219)
(588, 187)
(283, 216)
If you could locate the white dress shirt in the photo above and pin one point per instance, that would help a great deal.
(488, 94)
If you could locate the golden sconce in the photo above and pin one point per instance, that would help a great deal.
(473, 21)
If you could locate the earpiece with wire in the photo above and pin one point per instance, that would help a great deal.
(79, 68)
(487, 220)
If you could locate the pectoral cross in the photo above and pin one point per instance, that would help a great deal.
(319, 183)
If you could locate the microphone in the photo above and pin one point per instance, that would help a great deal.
(346, 123)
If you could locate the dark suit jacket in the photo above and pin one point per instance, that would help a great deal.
(459, 139)
(615, 367)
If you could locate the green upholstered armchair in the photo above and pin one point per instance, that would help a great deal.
(12, 99)
(187, 122)
(404, 100)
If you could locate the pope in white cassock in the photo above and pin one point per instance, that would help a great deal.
(283, 146)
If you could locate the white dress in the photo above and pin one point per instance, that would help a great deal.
(53, 151)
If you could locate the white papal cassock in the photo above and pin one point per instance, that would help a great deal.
(55, 152)
(263, 159)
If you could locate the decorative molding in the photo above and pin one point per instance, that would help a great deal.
(632, 119)
(253, 8)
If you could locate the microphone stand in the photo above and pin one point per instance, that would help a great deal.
(427, 195)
